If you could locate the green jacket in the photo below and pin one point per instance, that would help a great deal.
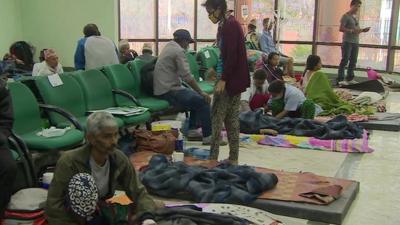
(122, 175)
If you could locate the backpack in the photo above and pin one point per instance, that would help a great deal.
(26, 207)
(147, 74)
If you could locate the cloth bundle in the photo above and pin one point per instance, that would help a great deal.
(194, 216)
(223, 184)
(337, 128)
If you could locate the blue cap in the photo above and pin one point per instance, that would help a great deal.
(183, 34)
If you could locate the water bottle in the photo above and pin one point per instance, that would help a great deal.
(372, 74)
(179, 144)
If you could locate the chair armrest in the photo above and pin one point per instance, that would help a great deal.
(126, 95)
(63, 113)
(21, 147)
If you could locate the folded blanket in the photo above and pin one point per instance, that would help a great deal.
(222, 184)
(305, 187)
(337, 128)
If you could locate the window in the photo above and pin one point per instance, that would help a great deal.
(262, 9)
(330, 55)
(205, 28)
(397, 61)
(377, 15)
(173, 15)
(137, 19)
(297, 51)
(295, 31)
(330, 13)
(137, 46)
(297, 20)
(372, 57)
(162, 44)
(398, 32)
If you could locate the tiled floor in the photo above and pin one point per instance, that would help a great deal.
(378, 201)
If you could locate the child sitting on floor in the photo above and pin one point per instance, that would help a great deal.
(289, 101)
(256, 96)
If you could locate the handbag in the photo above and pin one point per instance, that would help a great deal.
(157, 141)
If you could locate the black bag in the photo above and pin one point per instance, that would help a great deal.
(147, 74)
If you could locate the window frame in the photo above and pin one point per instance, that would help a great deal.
(391, 47)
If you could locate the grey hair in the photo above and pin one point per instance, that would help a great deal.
(98, 120)
(123, 44)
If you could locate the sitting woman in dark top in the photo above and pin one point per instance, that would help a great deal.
(21, 53)
(270, 65)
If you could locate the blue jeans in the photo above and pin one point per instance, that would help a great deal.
(188, 99)
(349, 53)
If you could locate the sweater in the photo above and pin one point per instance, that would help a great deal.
(234, 57)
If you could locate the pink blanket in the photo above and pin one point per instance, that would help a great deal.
(345, 146)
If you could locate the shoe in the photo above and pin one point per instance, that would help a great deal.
(194, 135)
(207, 141)
(352, 82)
(343, 83)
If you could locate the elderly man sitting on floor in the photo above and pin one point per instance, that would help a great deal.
(86, 177)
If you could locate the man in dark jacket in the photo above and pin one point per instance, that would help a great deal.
(7, 164)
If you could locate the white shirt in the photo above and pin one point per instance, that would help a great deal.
(101, 175)
(251, 91)
(42, 69)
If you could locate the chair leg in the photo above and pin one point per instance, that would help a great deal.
(30, 169)
(148, 126)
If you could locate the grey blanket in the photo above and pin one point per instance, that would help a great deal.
(222, 184)
(337, 128)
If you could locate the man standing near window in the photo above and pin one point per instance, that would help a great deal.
(350, 27)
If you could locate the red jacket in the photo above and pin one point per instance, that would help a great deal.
(234, 56)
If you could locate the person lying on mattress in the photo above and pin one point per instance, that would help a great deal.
(317, 87)
(289, 101)
(256, 96)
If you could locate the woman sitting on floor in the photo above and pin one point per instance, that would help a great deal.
(289, 101)
(271, 66)
(256, 96)
(317, 87)
(313, 65)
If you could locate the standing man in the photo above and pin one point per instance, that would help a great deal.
(232, 78)
(8, 166)
(350, 27)
(94, 51)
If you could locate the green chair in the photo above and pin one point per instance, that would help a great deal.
(207, 58)
(205, 86)
(68, 96)
(27, 122)
(99, 95)
(135, 67)
(121, 79)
